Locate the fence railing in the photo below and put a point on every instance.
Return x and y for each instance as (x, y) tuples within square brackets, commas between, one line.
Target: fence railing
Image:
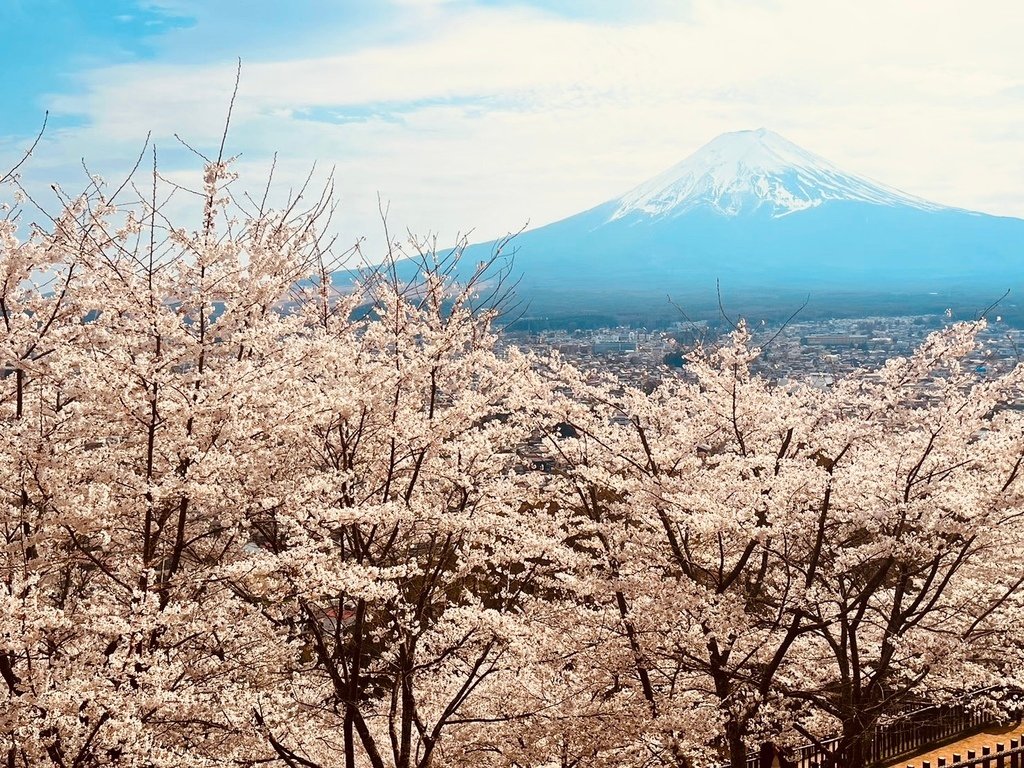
[(1000, 757), (910, 733), (931, 725)]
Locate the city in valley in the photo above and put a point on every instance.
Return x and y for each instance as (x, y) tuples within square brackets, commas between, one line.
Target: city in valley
[(814, 351)]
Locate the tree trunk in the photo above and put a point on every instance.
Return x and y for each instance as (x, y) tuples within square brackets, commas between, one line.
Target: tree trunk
[(854, 749), (734, 732)]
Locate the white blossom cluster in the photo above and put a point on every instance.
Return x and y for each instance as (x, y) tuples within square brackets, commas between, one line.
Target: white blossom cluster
[(250, 518)]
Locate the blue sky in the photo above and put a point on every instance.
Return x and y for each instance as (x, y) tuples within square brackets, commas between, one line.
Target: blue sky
[(486, 115)]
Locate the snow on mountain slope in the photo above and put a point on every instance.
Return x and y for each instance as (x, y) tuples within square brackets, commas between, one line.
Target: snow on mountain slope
[(753, 213), (744, 171)]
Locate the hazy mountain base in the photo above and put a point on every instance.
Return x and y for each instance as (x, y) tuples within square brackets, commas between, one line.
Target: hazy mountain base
[(579, 303), (583, 309), (832, 245), (849, 258)]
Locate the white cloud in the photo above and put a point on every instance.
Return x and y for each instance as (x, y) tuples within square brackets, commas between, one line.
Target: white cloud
[(490, 117)]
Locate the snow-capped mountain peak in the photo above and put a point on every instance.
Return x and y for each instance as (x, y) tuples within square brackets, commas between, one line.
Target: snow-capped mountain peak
[(743, 171)]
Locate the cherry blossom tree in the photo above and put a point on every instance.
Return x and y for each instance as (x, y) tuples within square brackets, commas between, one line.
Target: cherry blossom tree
[(689, 494), (915, 562), (129, 344), (810, 559), (255, 512), (399, 545), (239, 500)]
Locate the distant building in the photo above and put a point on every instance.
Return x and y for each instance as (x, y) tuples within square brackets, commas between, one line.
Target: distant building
[(836, 340)]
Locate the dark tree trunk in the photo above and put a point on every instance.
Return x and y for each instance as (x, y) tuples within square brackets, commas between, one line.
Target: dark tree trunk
[(734, 732), (854, 748)]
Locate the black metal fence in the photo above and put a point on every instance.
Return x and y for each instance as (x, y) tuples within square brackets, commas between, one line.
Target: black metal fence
[(925, 727), (914, 732), (999, 757)]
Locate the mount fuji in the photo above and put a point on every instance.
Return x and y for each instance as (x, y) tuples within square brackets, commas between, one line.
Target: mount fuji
[(765, 218), (746, 171)]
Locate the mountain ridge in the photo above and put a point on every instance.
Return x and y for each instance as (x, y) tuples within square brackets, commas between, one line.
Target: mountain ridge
[(744, 170), (761, 217)]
